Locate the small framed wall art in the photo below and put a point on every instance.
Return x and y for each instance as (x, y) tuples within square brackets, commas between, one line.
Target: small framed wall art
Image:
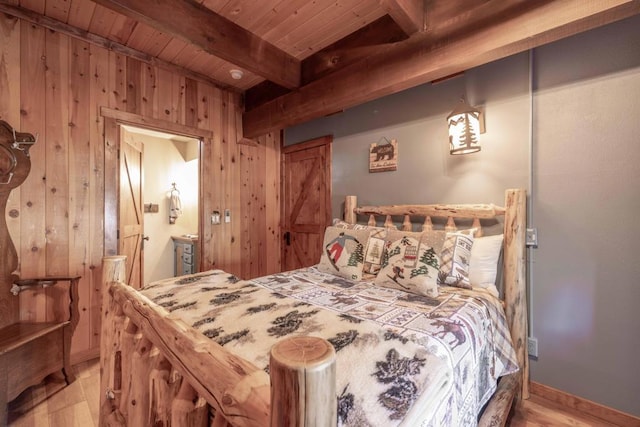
[(383, 155)]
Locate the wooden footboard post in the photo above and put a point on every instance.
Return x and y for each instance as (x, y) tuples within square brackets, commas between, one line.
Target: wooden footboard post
[(515, 279), (113, 269), (303, 383)]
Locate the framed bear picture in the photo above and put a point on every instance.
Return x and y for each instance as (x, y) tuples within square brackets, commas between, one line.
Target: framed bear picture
[(383, 156)]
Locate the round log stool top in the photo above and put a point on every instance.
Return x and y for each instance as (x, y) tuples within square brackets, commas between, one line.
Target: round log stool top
[(303, 352)]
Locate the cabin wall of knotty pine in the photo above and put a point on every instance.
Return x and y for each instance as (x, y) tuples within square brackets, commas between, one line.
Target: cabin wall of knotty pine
[(53, 85)]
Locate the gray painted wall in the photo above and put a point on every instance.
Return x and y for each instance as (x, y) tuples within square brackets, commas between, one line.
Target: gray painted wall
[(584, 152)]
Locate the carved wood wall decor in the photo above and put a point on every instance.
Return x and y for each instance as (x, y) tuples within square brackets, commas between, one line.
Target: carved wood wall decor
[(383, 156), (15, 165)]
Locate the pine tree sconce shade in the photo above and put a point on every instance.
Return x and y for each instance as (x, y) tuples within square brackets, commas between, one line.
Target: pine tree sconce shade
[(465, 126)]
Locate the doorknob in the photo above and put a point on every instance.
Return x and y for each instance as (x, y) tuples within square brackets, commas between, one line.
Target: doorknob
[(145, 238), (287, 238)]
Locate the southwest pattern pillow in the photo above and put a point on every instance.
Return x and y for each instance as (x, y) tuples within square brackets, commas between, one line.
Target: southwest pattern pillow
[(411, 262), (343, 252), (455, 257)]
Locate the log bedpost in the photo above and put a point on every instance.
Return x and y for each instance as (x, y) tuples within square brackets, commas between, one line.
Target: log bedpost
[(113, 270), (303, 383), (515, 279), (350, 203)]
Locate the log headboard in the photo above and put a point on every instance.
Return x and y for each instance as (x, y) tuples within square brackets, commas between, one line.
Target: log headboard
[(514, 262)]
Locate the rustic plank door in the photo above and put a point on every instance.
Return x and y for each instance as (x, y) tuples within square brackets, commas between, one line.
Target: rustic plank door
[(130, 207), (306, 201)]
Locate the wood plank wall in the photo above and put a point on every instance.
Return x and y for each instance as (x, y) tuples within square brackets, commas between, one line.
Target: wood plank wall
[(53, 85)]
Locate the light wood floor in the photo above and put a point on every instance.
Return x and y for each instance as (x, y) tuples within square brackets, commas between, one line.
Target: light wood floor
[(51, 404)]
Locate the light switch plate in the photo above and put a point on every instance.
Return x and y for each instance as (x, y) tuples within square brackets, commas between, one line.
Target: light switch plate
[(532, 237), (215, 217), (532, 346)]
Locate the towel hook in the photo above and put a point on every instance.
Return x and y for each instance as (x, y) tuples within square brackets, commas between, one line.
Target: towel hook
[(174, 189)]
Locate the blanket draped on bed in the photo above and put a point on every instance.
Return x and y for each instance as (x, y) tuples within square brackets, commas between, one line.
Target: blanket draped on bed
[(401, 359)]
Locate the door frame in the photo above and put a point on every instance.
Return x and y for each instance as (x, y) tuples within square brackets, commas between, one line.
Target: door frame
[(113, 119)]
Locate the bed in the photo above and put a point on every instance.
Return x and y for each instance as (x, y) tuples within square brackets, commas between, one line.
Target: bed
[(321, 347)]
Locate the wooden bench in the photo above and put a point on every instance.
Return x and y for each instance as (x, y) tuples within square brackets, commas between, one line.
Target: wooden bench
[(31, 351), (28, 351)]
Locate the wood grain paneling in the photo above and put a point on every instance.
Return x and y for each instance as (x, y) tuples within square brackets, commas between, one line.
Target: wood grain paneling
[(57, 174), (31, 245), (58, 86), (79, 168), (99, 95), (269, 39)]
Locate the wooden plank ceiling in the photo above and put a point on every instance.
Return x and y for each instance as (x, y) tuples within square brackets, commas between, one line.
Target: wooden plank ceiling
[(304, 59)]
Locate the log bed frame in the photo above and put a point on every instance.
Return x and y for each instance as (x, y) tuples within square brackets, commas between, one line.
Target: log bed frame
[(157, 370)]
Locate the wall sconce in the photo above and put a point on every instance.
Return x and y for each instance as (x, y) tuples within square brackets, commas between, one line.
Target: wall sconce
[(465, 123)]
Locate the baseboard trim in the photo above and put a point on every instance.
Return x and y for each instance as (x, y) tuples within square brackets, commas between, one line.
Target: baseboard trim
[(83, 356), (594, 409)]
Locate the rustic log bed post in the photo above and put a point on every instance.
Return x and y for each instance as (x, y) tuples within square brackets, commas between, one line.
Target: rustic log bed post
[(306, 367), (157, 370)]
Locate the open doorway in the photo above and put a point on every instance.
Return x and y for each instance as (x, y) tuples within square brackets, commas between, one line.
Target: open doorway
[(123, 215), (170, 176)]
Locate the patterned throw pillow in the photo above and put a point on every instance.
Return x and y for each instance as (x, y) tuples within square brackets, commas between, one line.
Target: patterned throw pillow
[(337, 222), (343, 252), (411, 262), (455, 257), (375, 248)]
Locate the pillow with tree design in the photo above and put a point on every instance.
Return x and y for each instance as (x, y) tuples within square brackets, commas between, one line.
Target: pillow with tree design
[(343, 252), (375, 248), (411, 262)]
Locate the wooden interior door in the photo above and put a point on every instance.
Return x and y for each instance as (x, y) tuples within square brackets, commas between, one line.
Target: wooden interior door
[(130, 206), (306, 201)]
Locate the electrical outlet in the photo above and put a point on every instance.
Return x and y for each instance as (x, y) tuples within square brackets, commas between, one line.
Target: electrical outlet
[(532, 346), (532, 237)]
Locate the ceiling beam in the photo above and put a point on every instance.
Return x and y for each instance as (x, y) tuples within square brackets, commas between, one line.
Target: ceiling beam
[(214, 34), (418, 60), (66, 29), (408, 14), (368, 40)]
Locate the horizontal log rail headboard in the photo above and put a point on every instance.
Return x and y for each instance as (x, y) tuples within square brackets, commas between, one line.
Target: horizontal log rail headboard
[(158, 370), (474, 212)]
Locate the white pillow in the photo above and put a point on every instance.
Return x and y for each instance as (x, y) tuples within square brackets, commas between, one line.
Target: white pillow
[(483, 266)]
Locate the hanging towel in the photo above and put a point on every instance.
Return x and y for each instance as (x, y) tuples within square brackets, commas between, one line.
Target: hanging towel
[(175, 207)]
